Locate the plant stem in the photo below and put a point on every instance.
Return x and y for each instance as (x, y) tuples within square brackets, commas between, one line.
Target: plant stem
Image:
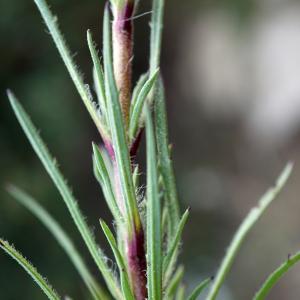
[(122, 35), (122, 42)]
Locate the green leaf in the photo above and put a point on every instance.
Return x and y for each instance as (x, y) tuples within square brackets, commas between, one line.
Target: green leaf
[(106, 185), (116, 125), (101, 108), (165, 162), (154, 235), (174, 284), (199, 289), (53, 171), (276, 276), (137, 89), (135, 117), (156, 34), (244, 228), (62, 238), (30, 269), (96, 172), (120, 262), (51, 22), (170, 259), (136, 177), (99, 80), (180, 295)]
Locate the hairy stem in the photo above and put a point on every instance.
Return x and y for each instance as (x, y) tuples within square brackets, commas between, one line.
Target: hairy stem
[(136, 259), (122, 42), (122, 35)]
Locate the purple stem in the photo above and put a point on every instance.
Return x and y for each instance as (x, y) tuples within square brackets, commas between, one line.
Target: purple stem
[(122, 31), (135, 145), (122, 54), (136, 260), (135, 245)]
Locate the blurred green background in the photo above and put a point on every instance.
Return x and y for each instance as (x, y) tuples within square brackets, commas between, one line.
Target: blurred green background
[(232, 73)]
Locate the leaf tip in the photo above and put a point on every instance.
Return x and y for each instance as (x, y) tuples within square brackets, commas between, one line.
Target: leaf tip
[(10, 94), (290, 165), (11, 97), (89, 35), (94, 146), (285, 174), (102, 223)]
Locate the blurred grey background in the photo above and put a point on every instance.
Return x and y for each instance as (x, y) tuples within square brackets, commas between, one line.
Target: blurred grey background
[(232, 73)]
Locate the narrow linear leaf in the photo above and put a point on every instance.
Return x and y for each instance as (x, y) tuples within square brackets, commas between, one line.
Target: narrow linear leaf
[(156, 34), (96, 172), (62, 238), (181, 292), (154, 236), (166, 167), (116, 125), (165, 221), (141, 82), (136, 177), (244, 228), (199, 289), (53, 171), (174, 283), (52, 24), (120, 262), (166, 231), (30, 269), (106, 184), (153, 207), (276, 276), (135, 117), (98, 71), (165, 162), (101, 109), (170, 258)]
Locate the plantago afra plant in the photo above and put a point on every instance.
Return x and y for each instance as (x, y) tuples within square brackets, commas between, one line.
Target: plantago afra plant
[(148, 227)]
